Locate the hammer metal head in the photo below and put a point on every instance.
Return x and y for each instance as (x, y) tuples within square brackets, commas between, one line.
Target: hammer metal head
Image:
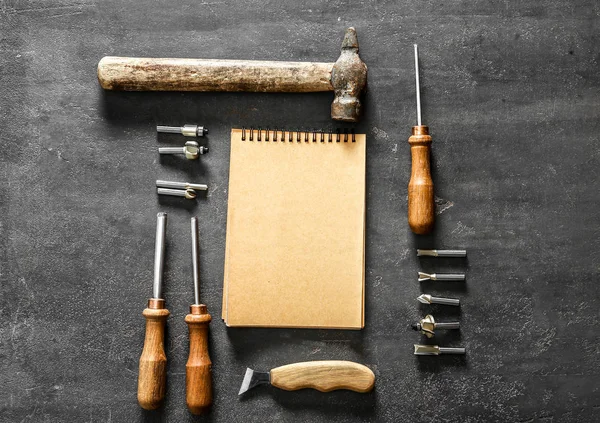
[(348, 79)]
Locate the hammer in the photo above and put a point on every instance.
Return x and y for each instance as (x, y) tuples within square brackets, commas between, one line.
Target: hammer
[(347, 77)]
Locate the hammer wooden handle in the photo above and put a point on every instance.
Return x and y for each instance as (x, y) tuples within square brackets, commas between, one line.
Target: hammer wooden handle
[(148, 74), (323, 376), (198, 378), (153, 362), (420, 187)]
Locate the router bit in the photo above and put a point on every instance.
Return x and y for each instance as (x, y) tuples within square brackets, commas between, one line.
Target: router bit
[(442, 253), (190, 149), (435, 350), (185, 130), (179, 189), (427, 326), (189, 194), (198, 379), (441, 277), (428, 299), (181, 185), (153, 361)]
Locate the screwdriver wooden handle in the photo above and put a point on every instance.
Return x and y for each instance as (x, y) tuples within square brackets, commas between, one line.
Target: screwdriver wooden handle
[(153, 361), (198, 379), (420, 187), (323, 376)]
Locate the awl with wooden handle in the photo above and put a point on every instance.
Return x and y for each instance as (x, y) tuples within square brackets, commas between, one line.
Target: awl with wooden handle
[(420, 187), (323, 376), (153, 361), (198, 378)]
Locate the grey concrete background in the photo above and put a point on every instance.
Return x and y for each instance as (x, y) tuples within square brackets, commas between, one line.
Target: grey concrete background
[(511, 92)]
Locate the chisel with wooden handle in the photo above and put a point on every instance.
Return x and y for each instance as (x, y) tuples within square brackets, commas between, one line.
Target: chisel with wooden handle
[(153, 362), (323, 376)]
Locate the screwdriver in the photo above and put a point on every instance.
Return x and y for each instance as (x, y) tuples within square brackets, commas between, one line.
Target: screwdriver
[(420, 186), (198, 379), (153, 361)]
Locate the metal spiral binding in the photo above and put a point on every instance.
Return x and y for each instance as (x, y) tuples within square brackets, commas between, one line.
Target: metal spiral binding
[(317, 134)]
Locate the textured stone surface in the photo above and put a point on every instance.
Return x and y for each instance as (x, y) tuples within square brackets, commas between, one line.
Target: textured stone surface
[(511, 92)]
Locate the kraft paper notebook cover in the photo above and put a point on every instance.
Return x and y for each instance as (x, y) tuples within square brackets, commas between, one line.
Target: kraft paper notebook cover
[(295, 230)]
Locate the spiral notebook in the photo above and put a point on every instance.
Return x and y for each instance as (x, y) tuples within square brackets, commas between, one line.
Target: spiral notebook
[(295, 247)]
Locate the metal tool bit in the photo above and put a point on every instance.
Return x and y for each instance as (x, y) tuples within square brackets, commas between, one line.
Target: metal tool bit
[(428, 325), (185, 130), (435, 350), (189, 194), (191, 150), (442, 253), (181, 185), (441, 276), (428, 299)]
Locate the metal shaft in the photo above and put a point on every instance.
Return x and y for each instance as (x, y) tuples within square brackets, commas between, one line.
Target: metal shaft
[(445, 301), (418, 86), (159, 254), (195, 265), (169, 129), (449, 277), (444, 350), (171, 150), (448, 325)]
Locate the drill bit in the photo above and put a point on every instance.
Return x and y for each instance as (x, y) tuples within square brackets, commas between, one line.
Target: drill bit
[(442, 253), (435, 350), (428, 325), (185, 130), (441, 277), (428, 299)]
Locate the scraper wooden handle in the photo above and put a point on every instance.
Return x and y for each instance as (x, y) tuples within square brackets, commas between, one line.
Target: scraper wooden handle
[(421, 211), (323, 376)]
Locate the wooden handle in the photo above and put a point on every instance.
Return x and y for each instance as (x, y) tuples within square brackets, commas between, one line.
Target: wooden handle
[(153, 362), (149, 74), (323, 376), (420, 187), (198, 379)]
